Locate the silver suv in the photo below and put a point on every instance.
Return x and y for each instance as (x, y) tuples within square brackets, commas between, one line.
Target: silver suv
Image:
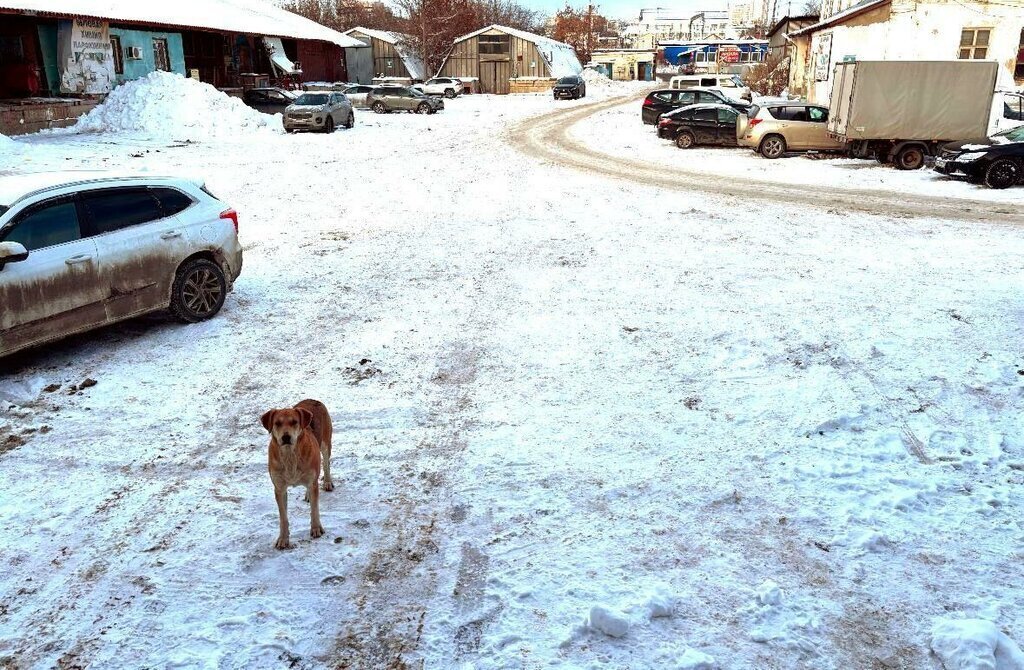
[(386, 99), (323, 111), (81, 250)]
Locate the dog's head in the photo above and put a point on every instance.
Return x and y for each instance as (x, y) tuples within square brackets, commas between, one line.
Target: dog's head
[(286, 425)]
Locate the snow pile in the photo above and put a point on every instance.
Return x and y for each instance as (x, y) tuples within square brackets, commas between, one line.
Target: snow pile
[(696, 660), (975, 644), (787, 625), (5, 141), (609, 621), (595, 79), (617, 622), (164, 104)]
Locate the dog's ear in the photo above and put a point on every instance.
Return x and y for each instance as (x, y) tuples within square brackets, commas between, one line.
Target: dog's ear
[(267, 418), (305, 416)]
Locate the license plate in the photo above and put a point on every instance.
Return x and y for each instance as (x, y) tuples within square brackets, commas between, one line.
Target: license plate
[(940, 162)]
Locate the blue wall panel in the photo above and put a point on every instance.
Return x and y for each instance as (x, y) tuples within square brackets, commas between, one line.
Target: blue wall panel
[(136, 69)]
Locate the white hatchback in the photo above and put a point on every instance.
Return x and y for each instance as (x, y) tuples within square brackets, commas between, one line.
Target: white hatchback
[(449, 87), (80, 250)]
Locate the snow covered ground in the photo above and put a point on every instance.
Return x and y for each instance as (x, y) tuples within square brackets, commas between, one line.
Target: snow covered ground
[(578, 423), (620, 132)]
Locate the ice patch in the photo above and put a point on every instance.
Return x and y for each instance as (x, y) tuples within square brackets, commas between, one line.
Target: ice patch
[(21, 392), (168, 105), (975, 644), (611, 622)]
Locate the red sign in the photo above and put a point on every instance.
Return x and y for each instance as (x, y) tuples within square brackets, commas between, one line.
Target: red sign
[(728, 53)]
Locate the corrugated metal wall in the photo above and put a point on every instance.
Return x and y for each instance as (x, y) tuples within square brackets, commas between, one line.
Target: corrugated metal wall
[(386, 61)]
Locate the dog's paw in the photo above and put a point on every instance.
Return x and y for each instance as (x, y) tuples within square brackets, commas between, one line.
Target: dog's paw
[(283, 543), (328, 485), (316, 531)]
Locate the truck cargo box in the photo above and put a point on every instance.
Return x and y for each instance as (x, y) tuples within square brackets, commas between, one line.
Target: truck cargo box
[(912, 100)]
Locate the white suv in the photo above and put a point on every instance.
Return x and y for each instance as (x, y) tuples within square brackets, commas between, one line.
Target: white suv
[(80, 250), (449, 87)]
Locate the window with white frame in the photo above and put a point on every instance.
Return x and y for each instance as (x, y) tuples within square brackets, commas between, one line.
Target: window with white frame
[(974, 43)]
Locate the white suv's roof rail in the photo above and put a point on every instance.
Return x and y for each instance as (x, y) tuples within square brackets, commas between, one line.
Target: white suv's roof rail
[(15, 188)]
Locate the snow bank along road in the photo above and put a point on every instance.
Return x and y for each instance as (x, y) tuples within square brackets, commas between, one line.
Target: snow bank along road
[(557, 397), (551, 137)]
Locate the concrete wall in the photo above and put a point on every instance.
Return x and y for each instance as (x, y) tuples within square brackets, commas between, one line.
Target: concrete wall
[(916, 31), (136, 69)]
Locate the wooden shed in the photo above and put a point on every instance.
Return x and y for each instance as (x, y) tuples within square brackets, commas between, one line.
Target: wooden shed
[(388, 59), (507, 60)]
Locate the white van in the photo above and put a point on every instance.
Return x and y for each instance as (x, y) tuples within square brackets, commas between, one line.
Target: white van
[(727, 84)]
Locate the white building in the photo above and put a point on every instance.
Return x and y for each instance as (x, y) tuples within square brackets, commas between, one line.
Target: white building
[(659, 25), (907, 30)]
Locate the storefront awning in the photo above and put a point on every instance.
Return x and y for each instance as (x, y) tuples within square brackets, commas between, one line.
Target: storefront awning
[(275, 49)]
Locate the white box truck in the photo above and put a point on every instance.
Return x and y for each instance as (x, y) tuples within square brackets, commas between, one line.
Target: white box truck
[(903, 111)]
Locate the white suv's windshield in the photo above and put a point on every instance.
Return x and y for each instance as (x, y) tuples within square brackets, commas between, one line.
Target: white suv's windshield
[(312, 99)]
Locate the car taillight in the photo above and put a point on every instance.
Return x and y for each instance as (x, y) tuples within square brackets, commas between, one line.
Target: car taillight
[(233, 215), (754, 122), (648, 103), (663, 122)]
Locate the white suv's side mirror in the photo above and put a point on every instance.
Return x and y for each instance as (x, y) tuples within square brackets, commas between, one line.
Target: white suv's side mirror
[(12, 252)]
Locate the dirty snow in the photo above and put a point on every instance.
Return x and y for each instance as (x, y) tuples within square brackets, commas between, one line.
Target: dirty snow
[(168, 105), (765, 436)]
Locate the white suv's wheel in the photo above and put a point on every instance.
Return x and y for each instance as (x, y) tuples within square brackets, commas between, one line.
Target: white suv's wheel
[(198, 291)]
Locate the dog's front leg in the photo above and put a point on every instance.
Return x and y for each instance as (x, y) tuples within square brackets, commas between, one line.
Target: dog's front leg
[(281, 494), (315, 529), (325, 457)]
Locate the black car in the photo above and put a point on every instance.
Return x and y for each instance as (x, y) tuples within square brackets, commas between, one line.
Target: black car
[(997, 161), (659, 102), (700, 124), (269, 100), (570, 87)]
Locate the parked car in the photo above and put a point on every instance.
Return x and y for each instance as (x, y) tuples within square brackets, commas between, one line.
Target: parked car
[(572, 87), (387, 99), (997, 162), (700, 124), (357, 95), (80, 250), (729, 85), (449, 87), (269, 100), (772, 129), (319, 111), (659, 102)]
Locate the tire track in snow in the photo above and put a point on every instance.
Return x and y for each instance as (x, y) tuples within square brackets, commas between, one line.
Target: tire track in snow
[(546, 137)]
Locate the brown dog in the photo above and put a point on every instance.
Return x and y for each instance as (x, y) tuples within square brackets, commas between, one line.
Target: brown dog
[(300, 437)]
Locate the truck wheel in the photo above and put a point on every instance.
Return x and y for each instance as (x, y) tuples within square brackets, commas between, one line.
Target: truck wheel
[(1003, 173), (772, 146), (909, 158), (882, 156), (685, 140)]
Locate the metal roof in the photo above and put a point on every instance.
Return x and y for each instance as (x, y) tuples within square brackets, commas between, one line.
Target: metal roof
[(243, 16)]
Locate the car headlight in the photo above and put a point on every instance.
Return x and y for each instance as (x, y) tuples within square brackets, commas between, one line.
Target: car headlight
[(971, 156)]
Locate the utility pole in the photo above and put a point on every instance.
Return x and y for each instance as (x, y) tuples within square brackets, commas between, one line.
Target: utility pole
[(590, 30)]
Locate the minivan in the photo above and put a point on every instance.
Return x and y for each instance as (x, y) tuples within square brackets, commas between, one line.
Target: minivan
[(728, 84)]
